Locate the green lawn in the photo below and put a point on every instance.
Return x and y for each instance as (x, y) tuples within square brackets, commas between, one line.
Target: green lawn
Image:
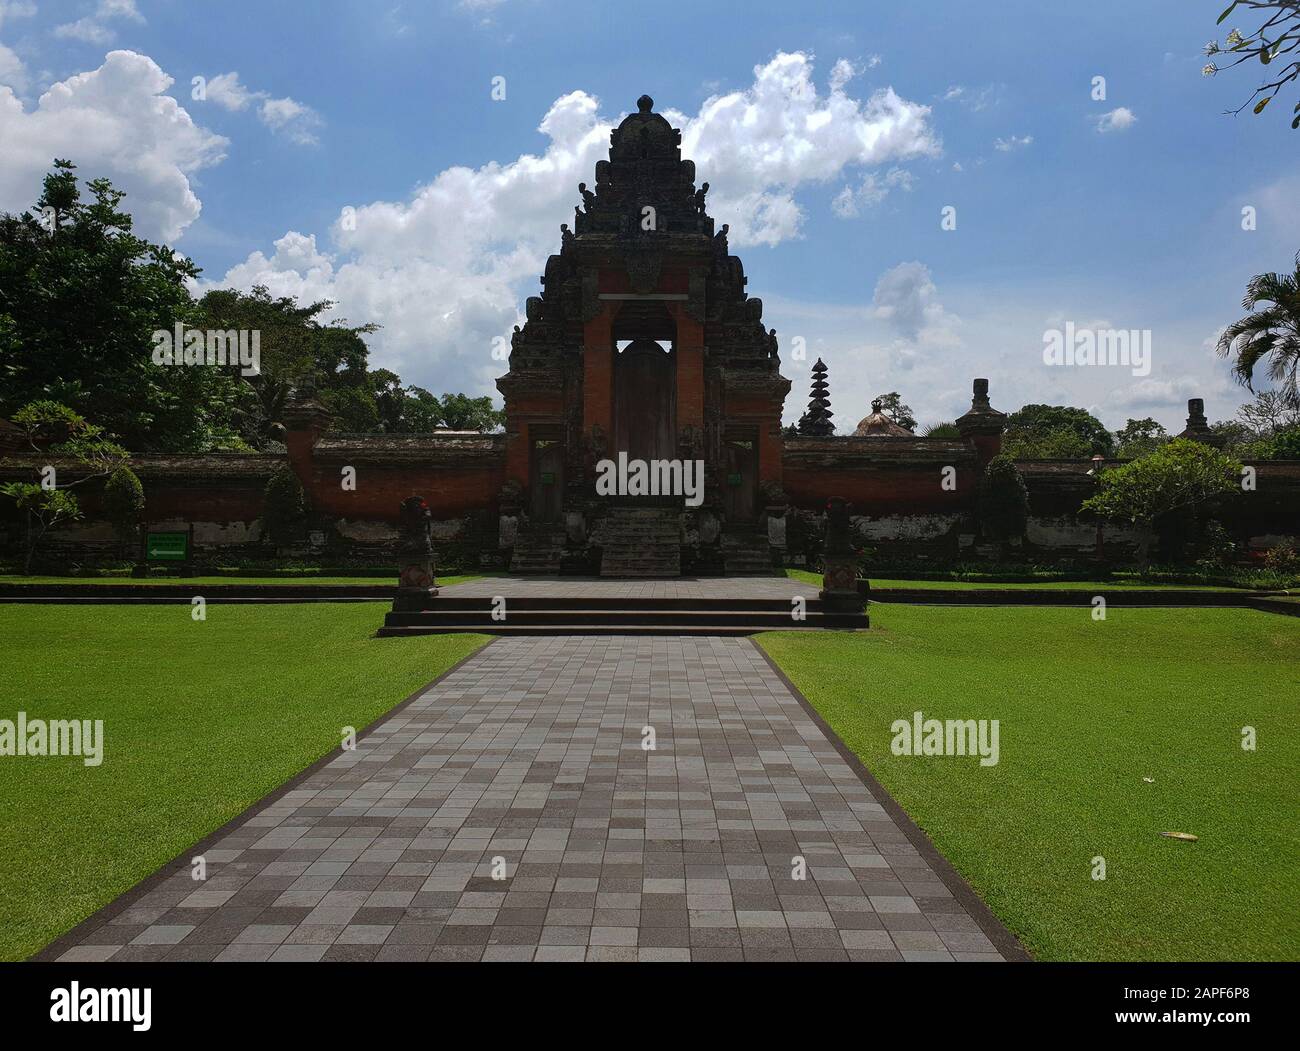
[(225, 578), (201, 719), (1088, 709)]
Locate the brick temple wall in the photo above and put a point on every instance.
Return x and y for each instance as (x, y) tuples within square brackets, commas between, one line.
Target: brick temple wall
[(912, 496)]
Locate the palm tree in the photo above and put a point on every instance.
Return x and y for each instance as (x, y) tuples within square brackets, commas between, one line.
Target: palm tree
[(1272, 334)]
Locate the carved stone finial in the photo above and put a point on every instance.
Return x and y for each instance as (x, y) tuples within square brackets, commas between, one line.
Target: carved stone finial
[(645, 104), (1198, 427)]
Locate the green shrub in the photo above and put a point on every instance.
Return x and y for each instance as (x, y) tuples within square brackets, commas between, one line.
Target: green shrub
[(1003, 505), (285, 511), (124, 505)]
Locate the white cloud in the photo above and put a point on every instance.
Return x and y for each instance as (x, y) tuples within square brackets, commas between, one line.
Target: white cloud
[(1013, 142), (1119, 119), (849, 202), (759, 144), (115, 122), (445, 271), (907, 299), (228, 93), (973, 99), (13, 71), (295, 120), (94, 28)]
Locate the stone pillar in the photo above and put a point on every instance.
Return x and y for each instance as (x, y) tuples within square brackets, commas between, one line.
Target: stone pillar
[(416, 585), (690, 371), (305, 419), (982, 425), (598, 379)]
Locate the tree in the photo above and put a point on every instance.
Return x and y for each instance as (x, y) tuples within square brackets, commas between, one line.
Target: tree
[(459, 412), (1278, 34), (45, 509), (946, 429), (1271, 334), (64, 435), (1062, 443), (1003, 502), (1139, 437), (80, 296), (294, 343), (891, 405), (1039, 432), (1182, 475), (1268, 413), (124, 505)]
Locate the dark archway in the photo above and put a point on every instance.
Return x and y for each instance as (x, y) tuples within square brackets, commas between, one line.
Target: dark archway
[(645, 402)]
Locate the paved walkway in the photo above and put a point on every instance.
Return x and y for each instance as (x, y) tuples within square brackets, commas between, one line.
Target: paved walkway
[(531, 753), (587, 587)]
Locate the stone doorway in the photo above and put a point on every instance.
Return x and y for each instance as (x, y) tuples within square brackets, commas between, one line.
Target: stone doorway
[(546, 478), (740, 474)]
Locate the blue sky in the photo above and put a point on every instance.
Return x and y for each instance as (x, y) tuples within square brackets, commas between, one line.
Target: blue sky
[(833, 136)]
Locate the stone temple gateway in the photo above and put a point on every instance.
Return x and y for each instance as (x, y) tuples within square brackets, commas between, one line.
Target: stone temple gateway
[(643, 342)]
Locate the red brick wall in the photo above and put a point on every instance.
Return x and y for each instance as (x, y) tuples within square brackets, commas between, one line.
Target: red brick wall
[(883, 490)]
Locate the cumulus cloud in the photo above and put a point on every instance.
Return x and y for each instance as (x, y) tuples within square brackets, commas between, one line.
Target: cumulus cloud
[(1119, 119), (114, 122), (95, 28), (760, 144), (295, 120), (444, 272)]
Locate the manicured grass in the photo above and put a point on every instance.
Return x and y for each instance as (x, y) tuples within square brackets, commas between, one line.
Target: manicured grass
[(228, 579), (1045, 585), (1088, 709), (201, 720)]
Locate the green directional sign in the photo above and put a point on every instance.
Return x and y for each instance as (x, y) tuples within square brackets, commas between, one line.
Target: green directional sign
[(167, 547)]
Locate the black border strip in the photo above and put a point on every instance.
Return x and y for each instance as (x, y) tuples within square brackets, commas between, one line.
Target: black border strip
[(129, 897), (1006, 942)]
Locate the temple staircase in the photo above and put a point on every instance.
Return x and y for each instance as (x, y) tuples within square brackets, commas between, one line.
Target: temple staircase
[(642, 542), (538, 550), (571, 614), (745, 551)]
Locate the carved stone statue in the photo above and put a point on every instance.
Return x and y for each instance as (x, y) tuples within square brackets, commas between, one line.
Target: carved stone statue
[(700, 194), (415, 576), (566, 236), (588, 198), (839, 560)]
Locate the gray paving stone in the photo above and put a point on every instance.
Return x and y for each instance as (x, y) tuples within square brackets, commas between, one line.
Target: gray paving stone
[(530, 755)]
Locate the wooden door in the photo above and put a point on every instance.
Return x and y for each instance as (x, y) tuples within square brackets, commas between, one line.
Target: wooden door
[(546, 480)]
